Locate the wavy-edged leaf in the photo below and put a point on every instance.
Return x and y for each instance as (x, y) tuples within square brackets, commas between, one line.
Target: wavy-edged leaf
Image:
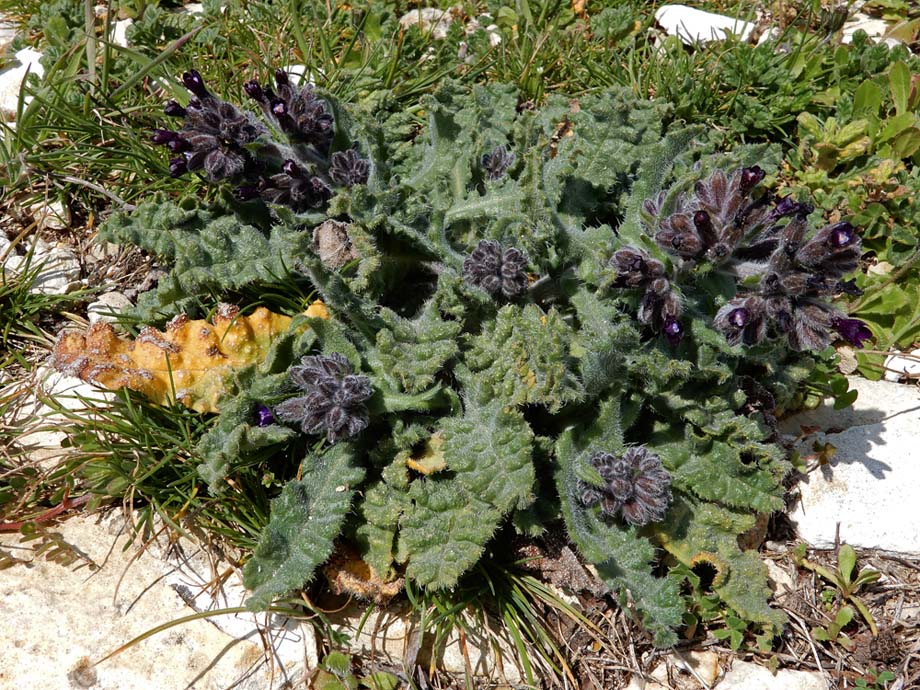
[(523, 357), (622, 557), (305, 521)]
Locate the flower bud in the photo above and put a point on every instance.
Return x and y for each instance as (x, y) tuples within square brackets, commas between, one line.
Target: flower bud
[(750, 178), (194, 83)]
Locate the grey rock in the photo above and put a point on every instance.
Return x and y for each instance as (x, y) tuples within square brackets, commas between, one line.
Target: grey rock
[(871, 485)]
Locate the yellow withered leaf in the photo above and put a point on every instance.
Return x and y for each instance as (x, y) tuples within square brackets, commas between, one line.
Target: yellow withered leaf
[(431, 458), (189, 362)]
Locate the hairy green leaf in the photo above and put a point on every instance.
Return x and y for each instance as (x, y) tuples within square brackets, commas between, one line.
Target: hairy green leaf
[(305, 520)]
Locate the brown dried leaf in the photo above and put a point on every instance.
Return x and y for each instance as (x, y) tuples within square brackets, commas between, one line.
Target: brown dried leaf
[(188, 363)]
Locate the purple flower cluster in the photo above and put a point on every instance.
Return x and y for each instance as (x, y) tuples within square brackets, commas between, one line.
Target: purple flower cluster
[(334, 398), (636, 486), (500, 272), (213, 138), (496, 162), (298, 112), (796, 280), (756, 239), (227, 143)]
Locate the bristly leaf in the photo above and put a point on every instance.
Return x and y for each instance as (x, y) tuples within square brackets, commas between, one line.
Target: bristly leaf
[(207, 252), (524, 357), (305, 520), (488, 454), (410, 352), (622, 557), (235, 438)]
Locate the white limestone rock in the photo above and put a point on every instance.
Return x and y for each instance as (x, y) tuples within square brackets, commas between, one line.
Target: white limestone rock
[(12, 78), (50, 215), (107, 307), (39, 426), (393, 635), (54, 270), (59, 621), (693, 26), (902, 366), (7, 33), (744, 675), (780, 580), (191, 572), (874, 27), (119, 32), (429, 20), (871, 485), (680, 670)]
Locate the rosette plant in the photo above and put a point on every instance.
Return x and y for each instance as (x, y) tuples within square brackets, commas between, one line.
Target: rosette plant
[(540, 320)]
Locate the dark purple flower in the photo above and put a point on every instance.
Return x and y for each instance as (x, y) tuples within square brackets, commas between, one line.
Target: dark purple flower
[(194, 83), (787, 206), (703, 224), (334, 398), (751, 177), (832, 251), (854, 331), (841, 235), (295, 187), (743, 320), (660, 308), (497, 162), (264, 416), (500, 272), (635, 268), (177, 167), (347, 168), (254, 90), (673, 331), (636, 486), (678, 235), (173, 109), (299, 112), (214, 136)]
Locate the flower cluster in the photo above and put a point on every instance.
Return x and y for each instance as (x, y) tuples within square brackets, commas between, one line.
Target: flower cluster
[(227, 143), (496, 163), (788, 272), (499, 271), (214, 136), (635, 485), (334, 399), (299, 113)]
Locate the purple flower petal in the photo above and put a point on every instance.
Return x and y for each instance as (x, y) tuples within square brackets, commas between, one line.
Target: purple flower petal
[(264, 416), (673, 331), (854, 331)]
